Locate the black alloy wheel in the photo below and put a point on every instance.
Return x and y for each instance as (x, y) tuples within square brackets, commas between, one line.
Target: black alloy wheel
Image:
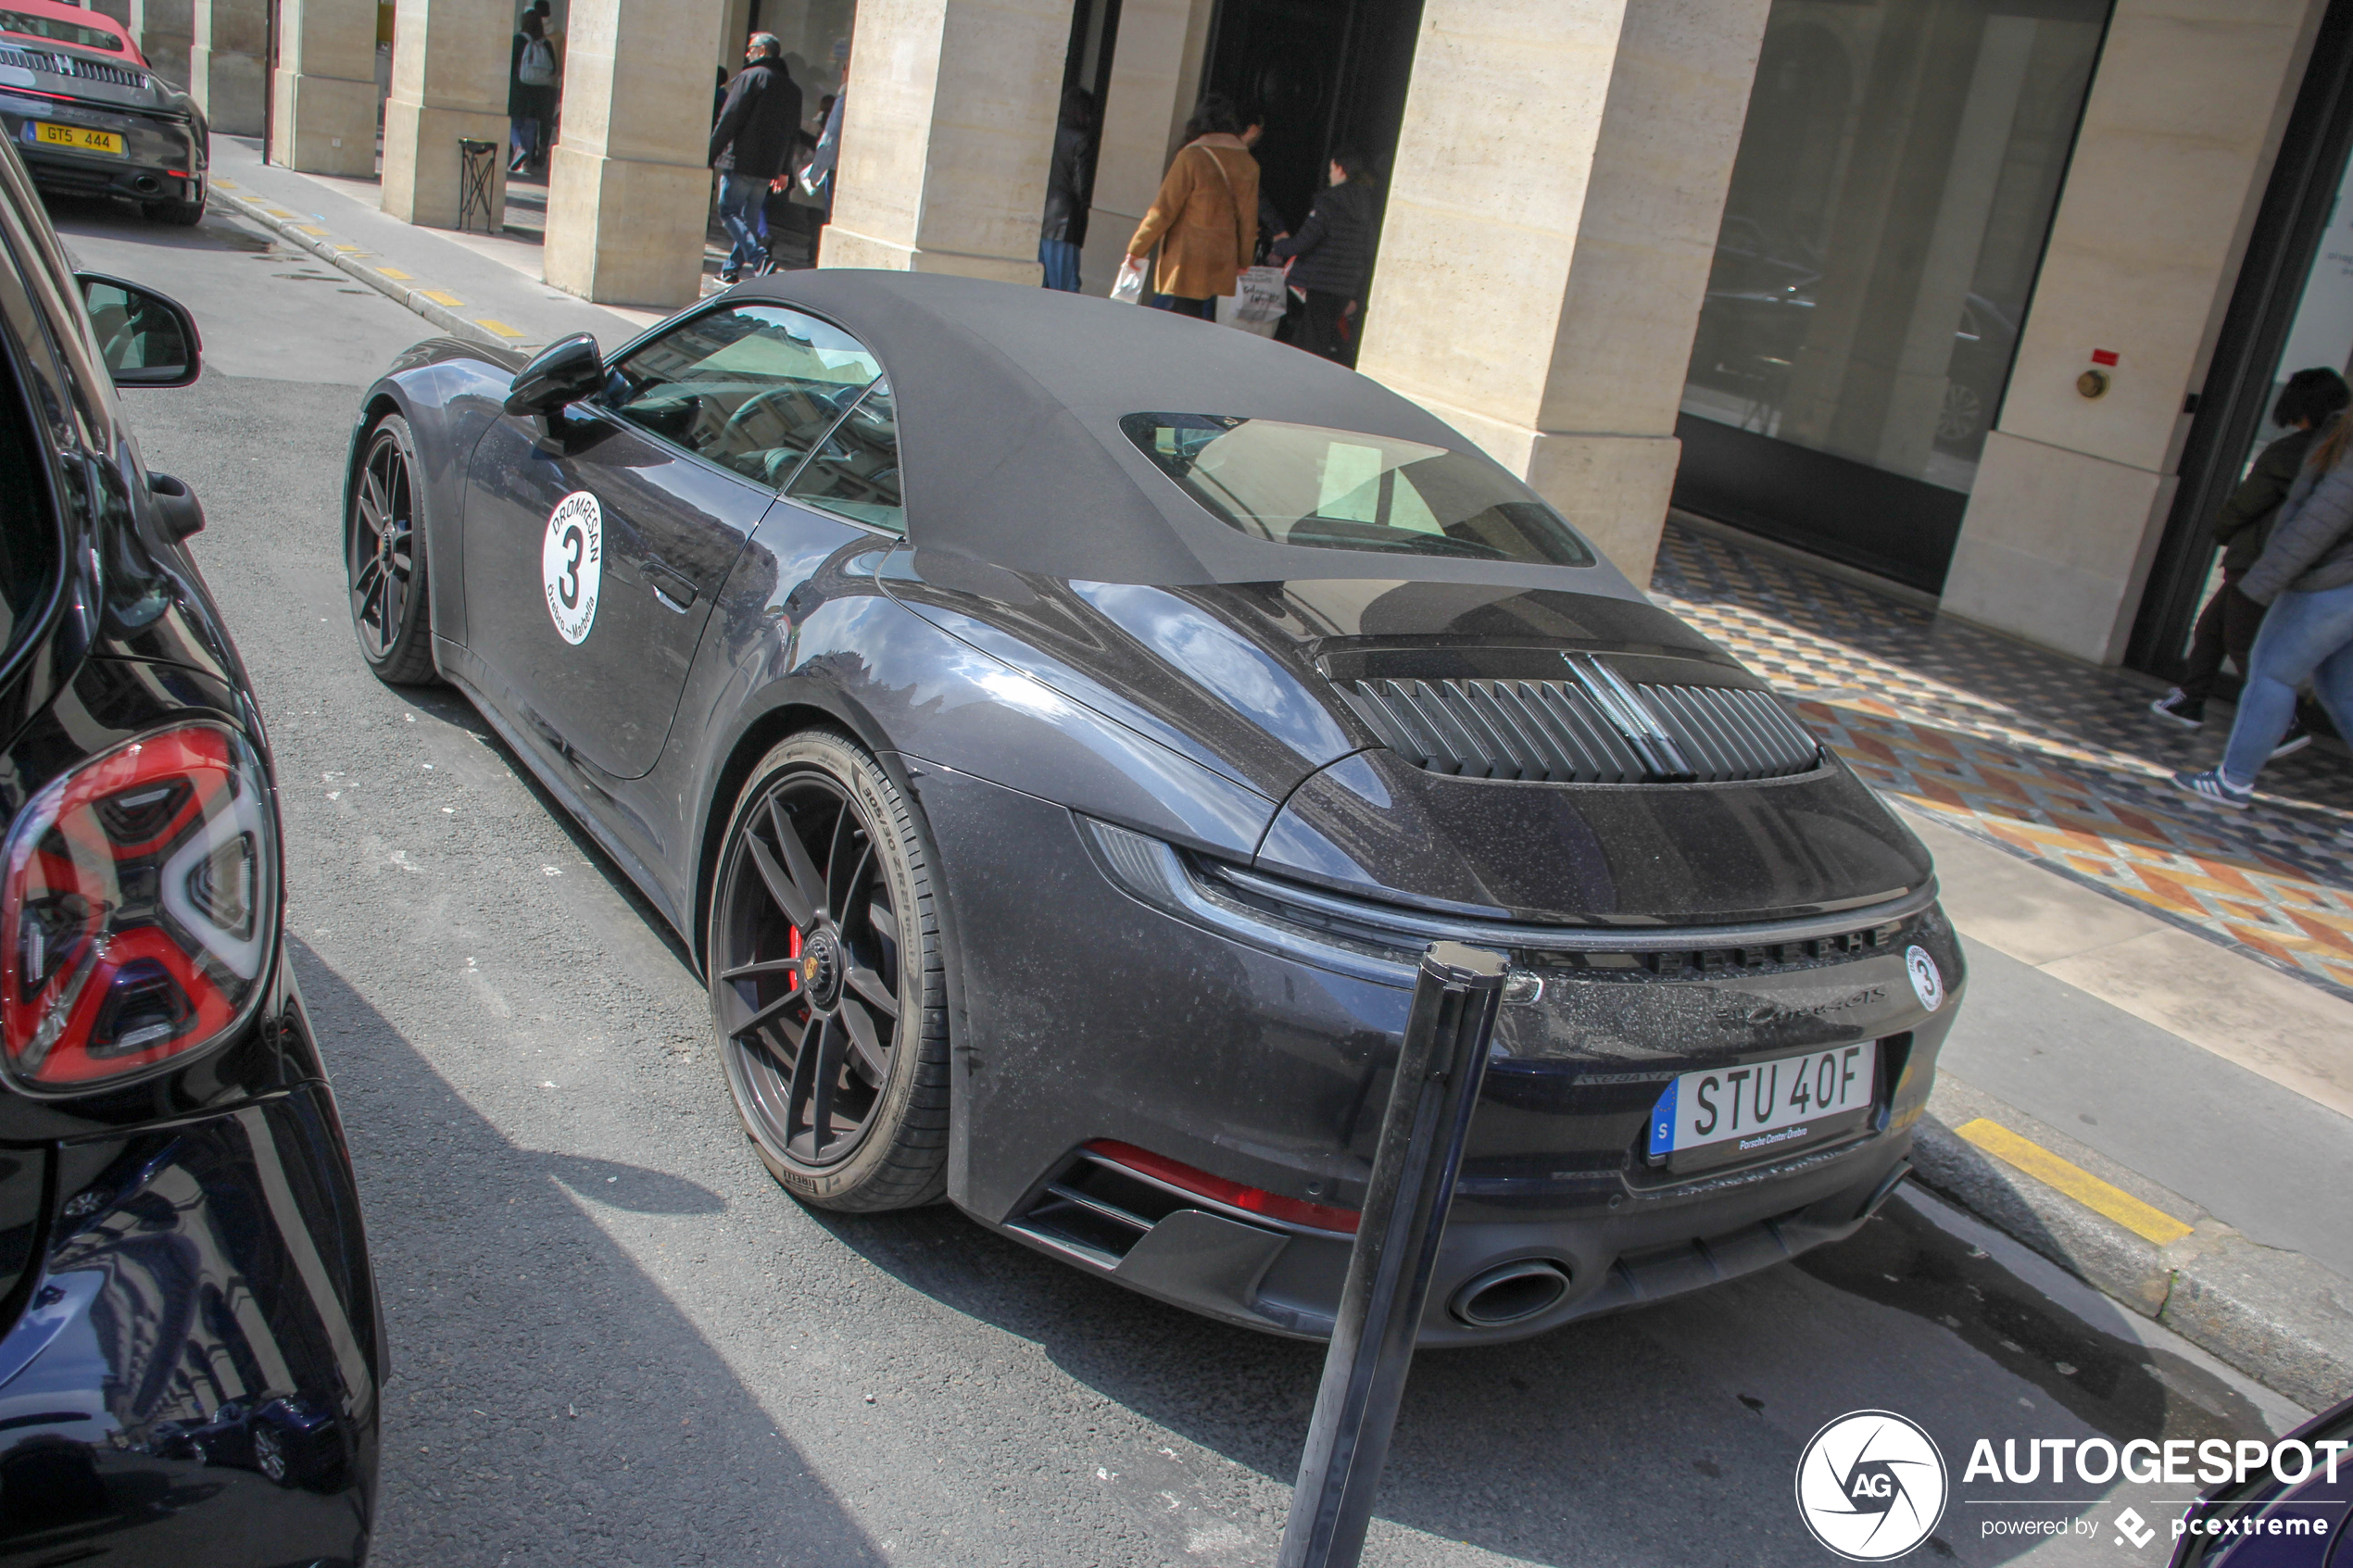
[(385, 545), (825, 980)]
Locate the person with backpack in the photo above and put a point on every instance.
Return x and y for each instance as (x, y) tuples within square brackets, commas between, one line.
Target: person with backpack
[(532, 79), (758, 128), (1205, 218), (2243, 526), (1331, 258), (2305, 577)]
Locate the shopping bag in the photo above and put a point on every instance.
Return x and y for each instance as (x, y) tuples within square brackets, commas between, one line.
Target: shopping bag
[(1257, 303), (1128, 288)]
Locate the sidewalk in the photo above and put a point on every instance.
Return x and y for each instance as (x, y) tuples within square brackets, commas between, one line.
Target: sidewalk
[(485, 287), (2152, 1081)]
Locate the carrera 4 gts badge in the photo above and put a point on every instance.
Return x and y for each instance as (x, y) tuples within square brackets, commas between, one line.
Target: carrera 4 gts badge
[(572, 564)]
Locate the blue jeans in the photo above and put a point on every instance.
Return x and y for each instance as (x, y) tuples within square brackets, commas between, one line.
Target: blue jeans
[(2304, 634), (743, 204), (1178, 305), (1061, 260)]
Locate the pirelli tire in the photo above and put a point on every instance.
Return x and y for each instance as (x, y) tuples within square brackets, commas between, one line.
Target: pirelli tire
[(828, 984)]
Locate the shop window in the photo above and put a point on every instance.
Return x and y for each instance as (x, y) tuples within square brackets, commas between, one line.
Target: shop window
[(1895, 181)]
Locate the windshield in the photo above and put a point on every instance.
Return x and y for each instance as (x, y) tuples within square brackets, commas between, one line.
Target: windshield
[(1336, 489), (60, 31)]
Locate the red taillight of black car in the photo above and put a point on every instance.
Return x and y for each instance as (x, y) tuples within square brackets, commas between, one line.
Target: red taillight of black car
[(140, 902)]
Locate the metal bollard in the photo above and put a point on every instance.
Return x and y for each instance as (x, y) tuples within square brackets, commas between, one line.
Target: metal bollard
[(1440, 1068)]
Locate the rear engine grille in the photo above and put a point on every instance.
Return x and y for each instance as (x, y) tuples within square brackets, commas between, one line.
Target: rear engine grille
[(69, 64), (1593, 729)]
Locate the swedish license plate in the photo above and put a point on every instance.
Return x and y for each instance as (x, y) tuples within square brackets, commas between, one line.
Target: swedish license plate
[(81, 138), (1762, 1107)]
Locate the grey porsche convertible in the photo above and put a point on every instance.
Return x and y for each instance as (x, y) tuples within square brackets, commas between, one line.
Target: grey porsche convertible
[(1056, 728)]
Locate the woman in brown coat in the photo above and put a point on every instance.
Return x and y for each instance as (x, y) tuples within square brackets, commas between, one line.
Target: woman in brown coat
[(1205, 219)]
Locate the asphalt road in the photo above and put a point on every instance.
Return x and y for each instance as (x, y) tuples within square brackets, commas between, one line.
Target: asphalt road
[(616, 1341)]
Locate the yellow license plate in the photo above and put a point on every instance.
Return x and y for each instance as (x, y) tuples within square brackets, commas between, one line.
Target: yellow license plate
[(78, 138)]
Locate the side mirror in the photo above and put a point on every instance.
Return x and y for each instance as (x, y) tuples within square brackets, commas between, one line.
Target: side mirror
[(146, 339), (564, 371), (177, 509)]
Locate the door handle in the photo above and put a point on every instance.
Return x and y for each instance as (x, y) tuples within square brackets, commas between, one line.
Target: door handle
[(674, 588)]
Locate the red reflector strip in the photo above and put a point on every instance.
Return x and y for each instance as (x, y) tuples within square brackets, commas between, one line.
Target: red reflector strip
[(177, 173), (2102, 356), (1253, 1200)]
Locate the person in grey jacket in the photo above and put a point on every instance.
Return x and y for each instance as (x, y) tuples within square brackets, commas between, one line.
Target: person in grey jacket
[(2305, 575)]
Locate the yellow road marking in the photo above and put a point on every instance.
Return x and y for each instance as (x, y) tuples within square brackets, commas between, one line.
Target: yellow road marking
[(499, 327), (392, 272), (226, 184), (277, 212), (2151, 1225), (309, 229), (351, 250), (438, 298)]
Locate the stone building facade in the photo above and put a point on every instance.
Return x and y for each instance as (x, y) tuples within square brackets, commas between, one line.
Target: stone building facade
[(1984, 298)]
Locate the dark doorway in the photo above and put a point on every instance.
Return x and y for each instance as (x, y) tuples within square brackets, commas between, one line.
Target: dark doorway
[(2257, 346), (1321, 76)]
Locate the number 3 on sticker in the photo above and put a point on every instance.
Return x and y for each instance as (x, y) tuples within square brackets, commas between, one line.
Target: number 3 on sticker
[(572, 564)]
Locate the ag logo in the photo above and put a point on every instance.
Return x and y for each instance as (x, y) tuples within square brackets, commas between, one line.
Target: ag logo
[(572, 564), (1926, 984), (1870, 1485)]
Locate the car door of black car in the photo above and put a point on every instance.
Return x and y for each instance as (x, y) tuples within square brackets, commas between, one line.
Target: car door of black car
[(597, 537)]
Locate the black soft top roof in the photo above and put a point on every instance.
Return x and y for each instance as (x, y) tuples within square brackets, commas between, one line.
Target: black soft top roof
[(1010, 447)]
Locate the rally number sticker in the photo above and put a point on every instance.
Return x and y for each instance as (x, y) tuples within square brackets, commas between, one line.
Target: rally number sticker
[(1926, 984), (572, 564)]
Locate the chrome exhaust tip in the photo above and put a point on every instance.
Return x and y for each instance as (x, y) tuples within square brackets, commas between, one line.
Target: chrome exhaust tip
[(1510, 1293)]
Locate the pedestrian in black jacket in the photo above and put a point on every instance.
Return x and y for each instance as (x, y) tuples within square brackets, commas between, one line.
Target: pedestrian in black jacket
[(531, 94), (1070, 184), (750, 147), (2243, 526), (1331, 257)]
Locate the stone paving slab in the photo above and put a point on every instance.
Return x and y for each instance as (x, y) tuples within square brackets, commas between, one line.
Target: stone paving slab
[(2054, 760)]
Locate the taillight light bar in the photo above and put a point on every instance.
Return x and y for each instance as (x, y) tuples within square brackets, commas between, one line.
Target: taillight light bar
[(139, 898), (1251, 1200)]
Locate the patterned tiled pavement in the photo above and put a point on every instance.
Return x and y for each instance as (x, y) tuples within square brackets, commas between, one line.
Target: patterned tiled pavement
[(2054, 760)]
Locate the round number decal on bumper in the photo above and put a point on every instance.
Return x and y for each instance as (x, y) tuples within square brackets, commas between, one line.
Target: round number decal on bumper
[(1926, 984), (572, 564)]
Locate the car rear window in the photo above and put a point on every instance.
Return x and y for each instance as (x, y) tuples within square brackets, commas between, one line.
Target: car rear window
[(60, 31), (1342, 490)]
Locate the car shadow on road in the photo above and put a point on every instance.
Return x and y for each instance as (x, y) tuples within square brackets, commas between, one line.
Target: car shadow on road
[(1606, 1439), (547, 1404)]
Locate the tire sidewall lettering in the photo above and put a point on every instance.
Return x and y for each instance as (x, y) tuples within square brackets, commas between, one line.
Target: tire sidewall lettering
[(571, 565)]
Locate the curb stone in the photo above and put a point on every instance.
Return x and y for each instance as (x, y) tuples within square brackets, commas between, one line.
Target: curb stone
[(440, 315), (2276, 1315)]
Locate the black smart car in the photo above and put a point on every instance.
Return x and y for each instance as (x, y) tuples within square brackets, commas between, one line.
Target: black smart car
[(190, 1348), (91, 117), (1058, 727)]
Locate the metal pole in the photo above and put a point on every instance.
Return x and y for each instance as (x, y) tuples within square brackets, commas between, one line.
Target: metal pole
[(1440, 1068)]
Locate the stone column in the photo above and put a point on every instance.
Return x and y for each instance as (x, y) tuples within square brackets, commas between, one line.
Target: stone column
[(629, 187), (322, 113), (1155, 77), (449, 62), (947, 136), (2072, 493), (226, 69), (1560, 178), (162, 28)]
